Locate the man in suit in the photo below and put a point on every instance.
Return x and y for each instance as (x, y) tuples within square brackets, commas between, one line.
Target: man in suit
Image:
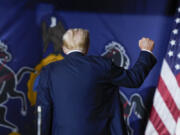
[(75, 95)]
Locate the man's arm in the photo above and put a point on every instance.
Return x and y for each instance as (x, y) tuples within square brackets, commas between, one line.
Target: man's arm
[(44, 105), (135, 76)]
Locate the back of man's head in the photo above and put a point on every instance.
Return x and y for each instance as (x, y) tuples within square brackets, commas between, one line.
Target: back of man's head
[(76, 39)]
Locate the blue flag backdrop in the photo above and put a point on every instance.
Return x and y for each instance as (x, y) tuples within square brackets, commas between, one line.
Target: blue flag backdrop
[(110, 34), (20, 52)]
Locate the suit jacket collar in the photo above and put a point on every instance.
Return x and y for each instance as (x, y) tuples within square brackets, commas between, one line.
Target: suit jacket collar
[(75, 54)]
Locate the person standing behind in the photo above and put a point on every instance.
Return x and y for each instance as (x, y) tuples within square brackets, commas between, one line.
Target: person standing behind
[(74, 95)]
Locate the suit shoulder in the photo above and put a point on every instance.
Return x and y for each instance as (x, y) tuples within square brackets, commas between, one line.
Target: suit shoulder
[(51, 65), (102, 61)]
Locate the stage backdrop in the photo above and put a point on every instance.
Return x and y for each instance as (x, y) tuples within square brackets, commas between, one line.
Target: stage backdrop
[(20, 51), (111, 35)]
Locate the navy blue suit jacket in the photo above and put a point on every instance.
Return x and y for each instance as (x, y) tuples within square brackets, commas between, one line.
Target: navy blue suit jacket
[(77, 96)]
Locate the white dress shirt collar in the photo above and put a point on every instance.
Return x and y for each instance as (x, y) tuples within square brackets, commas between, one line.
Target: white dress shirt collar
[(74, 51)]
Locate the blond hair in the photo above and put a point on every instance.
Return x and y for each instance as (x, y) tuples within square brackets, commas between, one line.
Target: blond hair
[(76, 39)]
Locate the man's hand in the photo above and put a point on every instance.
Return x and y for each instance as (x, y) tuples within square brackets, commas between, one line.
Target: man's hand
[(146, 44)]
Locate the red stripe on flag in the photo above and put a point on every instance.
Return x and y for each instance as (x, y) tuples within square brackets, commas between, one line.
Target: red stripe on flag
[(178, 79), (157, 123), (168, 99)]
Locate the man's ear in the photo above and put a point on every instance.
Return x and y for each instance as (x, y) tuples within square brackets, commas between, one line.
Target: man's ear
[(65, 50)]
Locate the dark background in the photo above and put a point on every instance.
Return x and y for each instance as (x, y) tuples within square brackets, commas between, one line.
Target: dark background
[(155, 7), (160, 7)]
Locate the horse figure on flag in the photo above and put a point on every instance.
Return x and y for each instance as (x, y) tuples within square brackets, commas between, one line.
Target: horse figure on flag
[(8, 87)]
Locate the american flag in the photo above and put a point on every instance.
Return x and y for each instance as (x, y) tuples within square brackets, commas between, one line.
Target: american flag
[(165, 113)]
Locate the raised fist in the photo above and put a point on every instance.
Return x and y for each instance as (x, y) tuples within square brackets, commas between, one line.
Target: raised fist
[(146, 44)]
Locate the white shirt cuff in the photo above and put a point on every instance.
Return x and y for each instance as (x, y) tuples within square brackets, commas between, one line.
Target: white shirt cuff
[(147, 51)]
